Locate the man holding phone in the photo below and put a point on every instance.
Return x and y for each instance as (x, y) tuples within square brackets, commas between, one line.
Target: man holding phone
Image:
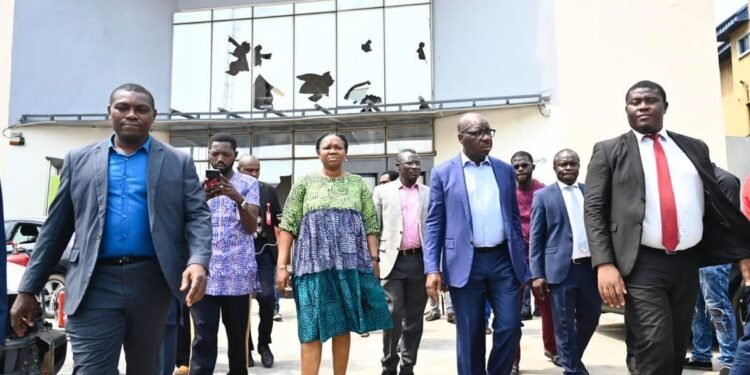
[(142, 239), (233, 272)]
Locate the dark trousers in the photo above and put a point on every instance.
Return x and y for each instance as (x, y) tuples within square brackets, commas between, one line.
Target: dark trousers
[(125, 307), (548, 326), (659, 307), (407, 297), (741, 363), (183, 338), (491, 279), (576, 307), (266, 300), (234, 311)]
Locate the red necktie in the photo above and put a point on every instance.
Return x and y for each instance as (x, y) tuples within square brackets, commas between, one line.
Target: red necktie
[(668, 208)]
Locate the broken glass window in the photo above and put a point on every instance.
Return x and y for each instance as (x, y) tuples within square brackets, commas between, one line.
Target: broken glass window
[(315, 51), (357, 92), (259, 56), (315, 84), (420, 51), (263, 93), (240, 52), (366, 46), (369, 101)]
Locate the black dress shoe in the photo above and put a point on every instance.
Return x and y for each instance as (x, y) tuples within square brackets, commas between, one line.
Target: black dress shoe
[(701, 365), (526, 315), (266, 357), (434, 315)]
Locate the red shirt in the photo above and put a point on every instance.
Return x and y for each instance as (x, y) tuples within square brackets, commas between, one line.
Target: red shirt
[(525, 197)]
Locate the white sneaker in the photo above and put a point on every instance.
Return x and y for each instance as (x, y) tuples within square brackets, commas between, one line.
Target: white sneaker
[(277, 317)]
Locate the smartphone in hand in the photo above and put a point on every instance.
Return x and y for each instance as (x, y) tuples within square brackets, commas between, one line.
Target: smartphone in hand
[(213, 176)]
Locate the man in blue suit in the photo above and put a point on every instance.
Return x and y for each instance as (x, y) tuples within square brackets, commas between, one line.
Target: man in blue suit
[(561, 262), (473, 234)]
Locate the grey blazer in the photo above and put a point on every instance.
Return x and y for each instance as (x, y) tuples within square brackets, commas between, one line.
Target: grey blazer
[(178, 214), (615, 204), (388, 206)]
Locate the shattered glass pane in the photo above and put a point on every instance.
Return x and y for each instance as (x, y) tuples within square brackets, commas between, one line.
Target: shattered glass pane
[(275, 36), (196, 16), (259, 55), (230, 70), (360, 74), (232, 13), (314, 7), (408, 77), (316, 84), (315, 52), (359, 4), (191, 82), (273, 10)]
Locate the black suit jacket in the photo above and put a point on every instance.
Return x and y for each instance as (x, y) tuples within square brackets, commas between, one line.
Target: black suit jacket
[(269, 202), (615, 204)]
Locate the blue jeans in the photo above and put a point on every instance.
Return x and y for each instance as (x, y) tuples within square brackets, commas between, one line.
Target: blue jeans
[(714, 307), (741, 363), (276, 296)]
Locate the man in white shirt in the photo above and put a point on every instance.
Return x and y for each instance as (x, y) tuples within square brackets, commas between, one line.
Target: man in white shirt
[(651, 202), (561, 262)]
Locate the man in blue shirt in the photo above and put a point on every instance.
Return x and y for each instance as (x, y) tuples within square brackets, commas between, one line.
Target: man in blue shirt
[(143, 233), (473, 230)]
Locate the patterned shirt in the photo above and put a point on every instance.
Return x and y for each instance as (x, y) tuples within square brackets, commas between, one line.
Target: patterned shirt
[(232, 270)]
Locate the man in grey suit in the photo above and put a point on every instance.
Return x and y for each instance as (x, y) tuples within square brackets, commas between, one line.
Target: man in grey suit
[(143, 237), (654, 213), (402, 209)]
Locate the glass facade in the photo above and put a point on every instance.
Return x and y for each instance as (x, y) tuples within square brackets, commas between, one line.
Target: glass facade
[(292, 153), (294, 56)]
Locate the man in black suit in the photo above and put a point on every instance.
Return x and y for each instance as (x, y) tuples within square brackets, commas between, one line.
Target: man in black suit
[(266, 254), (654, 213)]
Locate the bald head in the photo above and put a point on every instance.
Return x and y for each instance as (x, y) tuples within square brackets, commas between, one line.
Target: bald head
[(249, 165), (468, 119)]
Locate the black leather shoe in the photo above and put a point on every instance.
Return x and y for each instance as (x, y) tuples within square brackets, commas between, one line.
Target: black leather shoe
[(701, 365), (266, 357), (434, 315), (451, 318), (526, 315)]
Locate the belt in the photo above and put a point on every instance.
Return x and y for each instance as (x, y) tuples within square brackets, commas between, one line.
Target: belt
[(581, 260), (121, 261), (409, 252), (502, 246)]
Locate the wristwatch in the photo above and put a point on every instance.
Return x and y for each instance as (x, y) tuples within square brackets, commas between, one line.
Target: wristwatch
[(244, 205), (376, 259)]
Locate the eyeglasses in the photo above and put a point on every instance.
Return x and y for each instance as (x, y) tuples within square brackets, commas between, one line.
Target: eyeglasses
[(479, 133)]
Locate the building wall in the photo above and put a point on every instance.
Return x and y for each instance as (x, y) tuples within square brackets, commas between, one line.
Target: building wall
[(67, 59), (6, 41), (606, 46), (488, 48), (520, 128), (27, 167), (735, 94)]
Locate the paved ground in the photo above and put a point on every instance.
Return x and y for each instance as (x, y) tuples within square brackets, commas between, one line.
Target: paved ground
[(605, 354)]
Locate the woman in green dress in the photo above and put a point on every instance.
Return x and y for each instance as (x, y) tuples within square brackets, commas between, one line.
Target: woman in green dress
[(331, 218)]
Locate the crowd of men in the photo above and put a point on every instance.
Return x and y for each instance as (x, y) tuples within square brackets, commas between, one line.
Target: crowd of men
[(654, 230)]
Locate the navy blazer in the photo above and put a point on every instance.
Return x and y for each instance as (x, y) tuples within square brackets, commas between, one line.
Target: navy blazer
[(551, 236), (448, 228)]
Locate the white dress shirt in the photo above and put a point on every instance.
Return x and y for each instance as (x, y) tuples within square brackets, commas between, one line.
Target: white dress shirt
[(688, 193), (573, 198), (488, 228)]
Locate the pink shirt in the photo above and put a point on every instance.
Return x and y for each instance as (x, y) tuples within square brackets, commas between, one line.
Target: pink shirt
[(410, 215), (746, 198)]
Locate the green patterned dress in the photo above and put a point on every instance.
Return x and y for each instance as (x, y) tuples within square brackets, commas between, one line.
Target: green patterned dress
[(335, 289)]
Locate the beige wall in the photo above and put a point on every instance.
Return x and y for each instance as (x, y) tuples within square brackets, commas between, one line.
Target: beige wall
[(606, 46), (27, 168), (521, 128), (735, 95), (6, 43)]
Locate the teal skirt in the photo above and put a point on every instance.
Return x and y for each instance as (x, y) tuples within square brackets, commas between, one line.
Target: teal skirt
[(334, 302)]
